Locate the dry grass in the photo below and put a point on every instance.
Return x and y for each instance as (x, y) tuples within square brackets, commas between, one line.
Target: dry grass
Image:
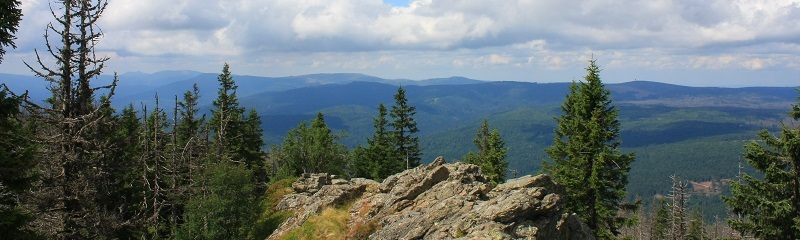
[(361, 230), (331, 224)]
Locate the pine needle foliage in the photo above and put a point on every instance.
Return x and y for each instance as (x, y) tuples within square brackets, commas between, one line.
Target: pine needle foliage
[(491, 154), (769, 207), (586, 158)]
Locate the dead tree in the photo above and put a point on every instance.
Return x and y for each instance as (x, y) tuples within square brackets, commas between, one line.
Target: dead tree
[(679, 198), (67, 194)]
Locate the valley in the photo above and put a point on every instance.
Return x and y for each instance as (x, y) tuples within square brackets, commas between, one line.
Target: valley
[(695, 133)]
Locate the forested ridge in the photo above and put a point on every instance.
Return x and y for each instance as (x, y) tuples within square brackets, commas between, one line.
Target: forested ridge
[(80, 163)]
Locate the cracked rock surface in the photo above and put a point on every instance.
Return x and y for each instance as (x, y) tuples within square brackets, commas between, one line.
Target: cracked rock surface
[(439, 201)]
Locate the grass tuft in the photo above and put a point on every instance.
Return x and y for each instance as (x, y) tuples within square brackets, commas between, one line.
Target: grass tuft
[(270, 220), (331, 224)]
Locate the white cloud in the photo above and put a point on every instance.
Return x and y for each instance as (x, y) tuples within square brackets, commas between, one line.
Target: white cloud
[(439, 34), (496, 59)]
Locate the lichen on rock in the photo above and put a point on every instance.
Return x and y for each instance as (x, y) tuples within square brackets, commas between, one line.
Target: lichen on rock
[(437, 201)]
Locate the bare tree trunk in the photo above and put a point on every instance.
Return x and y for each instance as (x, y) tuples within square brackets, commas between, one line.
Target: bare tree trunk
[(679, 198), (71, 180)]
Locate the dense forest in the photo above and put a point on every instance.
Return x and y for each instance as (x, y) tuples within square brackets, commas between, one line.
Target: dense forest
[(76, 167)]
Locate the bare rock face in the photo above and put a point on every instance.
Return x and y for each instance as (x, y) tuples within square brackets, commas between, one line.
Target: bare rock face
[(438, 201)]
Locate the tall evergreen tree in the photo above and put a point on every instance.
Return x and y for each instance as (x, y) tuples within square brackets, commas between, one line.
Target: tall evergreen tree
[(491, 154), (406, 144), (586, 158), (17, 165), (226, 115), (17, 160), (249, 143), (769, 206), (188, 126), (10, 15), (190, 137), (236, 136), (122, 182), (224, 186), (375, 160)]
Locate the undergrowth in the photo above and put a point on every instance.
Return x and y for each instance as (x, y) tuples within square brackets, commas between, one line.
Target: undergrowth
[(330, 224), (269, 220)]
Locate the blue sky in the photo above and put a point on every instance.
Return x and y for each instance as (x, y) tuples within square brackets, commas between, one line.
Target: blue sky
[(400, 3), (728, 43)]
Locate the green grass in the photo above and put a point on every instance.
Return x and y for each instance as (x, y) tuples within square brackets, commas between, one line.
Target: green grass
[(270, 220)]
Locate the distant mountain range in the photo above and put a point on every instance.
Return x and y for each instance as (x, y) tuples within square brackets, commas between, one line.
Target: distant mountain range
[(693, 132)]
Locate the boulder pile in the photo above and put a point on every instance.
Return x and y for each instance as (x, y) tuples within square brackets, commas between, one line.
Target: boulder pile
[(437, 201)]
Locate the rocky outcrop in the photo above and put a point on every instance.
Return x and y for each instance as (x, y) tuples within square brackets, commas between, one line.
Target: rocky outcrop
[(438, 201)]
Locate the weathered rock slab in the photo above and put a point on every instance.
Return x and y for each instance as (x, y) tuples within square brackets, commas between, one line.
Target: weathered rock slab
[(439, 201)]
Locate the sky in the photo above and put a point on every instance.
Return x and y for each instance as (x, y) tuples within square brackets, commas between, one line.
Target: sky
[(728, 43)]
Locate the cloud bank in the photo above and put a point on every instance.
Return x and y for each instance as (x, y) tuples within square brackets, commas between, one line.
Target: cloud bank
[(517, 38)]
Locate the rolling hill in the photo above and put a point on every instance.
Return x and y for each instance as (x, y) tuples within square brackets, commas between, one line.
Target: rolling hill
[(696, 133)]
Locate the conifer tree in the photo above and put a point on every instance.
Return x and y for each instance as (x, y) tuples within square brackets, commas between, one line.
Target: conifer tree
[(223, 188), (189, 125), (226, 114), (155, 165), (491, 154), (122, 180), (679, 198), (249, 143), (236, 136), (769, 206), (226, 211), (17, 165), (70, 125), (374, 161), (406, 144), (17, 160), (313, 149), (10, 15), (661, 220), (586, 158), (696, 226), (190, 137)]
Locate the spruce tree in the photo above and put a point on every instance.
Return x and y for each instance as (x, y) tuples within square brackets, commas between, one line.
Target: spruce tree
[(17, 160), (70, 126), (10, 15), (155, 173), (374, 160), (313, 149), (249, 145), (696, 226), (661, 220), (236, 136), (227, 210), (406, 144), (122, 181), (491, 154), (586, 158), (223, 186), (17, 165), (769, 206), (226, 114), (188, 126)]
